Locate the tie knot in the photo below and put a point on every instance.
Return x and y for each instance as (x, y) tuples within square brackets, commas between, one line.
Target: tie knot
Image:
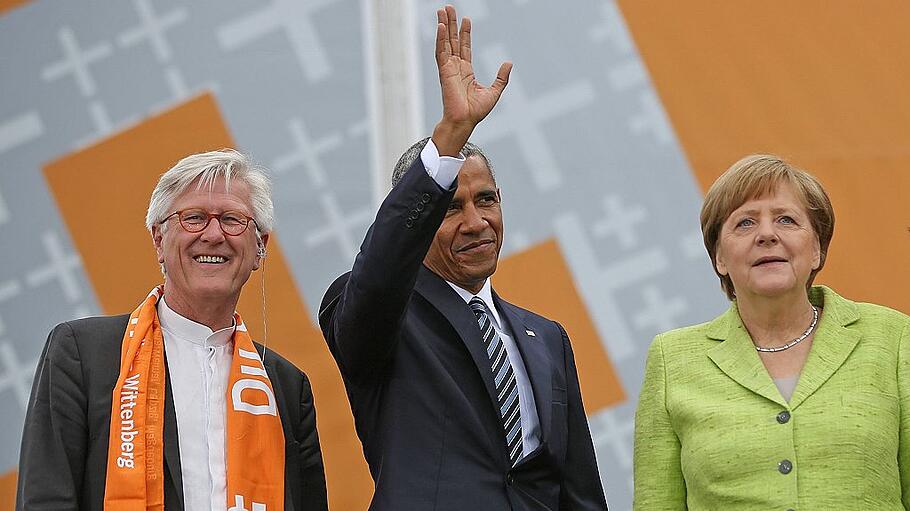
[(477, 306)]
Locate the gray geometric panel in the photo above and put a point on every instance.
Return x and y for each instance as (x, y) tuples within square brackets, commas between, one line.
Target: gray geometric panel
[(582, 148)]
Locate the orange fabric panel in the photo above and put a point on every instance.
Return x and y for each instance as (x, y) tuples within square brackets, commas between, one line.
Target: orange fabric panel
[(817, 82), (103, 192), (8, 491), (8, 5), (556, 298)]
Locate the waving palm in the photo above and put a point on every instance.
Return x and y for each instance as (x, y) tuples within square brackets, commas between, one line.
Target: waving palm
[(465, 102)]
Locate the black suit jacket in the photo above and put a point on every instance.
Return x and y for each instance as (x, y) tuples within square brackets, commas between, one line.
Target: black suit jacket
[(63, 459), (419, 382)]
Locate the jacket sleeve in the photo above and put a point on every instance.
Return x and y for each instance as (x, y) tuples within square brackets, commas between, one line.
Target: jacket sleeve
[(360, 316), (581, 487), (312, 471), (903, 388), (54, 441), (659, 484)]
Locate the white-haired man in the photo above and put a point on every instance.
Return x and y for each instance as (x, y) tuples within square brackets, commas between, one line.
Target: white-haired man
[(174, 406)]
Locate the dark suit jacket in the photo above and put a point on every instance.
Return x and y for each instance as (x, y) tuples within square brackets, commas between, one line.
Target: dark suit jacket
[(63, 460), (419, 382)]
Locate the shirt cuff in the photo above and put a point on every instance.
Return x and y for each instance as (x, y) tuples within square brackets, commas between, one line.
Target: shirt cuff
[(443, 169)]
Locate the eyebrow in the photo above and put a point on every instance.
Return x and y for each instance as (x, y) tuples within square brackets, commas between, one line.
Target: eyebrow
[(773, 210)]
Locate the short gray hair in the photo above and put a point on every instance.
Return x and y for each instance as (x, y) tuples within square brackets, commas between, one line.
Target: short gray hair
[(410, 156), (207, 167)]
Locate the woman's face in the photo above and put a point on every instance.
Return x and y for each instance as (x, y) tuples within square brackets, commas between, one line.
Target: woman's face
[(767, 246)]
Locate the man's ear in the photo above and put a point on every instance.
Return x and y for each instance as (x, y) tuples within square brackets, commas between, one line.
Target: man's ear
[(156, 239), (261, 242)]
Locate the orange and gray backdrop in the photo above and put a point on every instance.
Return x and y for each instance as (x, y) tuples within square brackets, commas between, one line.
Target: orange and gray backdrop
[(619, 115)]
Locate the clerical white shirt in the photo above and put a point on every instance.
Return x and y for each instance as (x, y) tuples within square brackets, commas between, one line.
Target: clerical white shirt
[(198, 363)]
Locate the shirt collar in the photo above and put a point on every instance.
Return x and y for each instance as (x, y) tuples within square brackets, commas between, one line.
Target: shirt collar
[(188, 330), (485, 294)]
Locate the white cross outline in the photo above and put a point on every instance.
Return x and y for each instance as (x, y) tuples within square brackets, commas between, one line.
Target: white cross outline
[(692, 245), (606, 430), (4, 210), (76, 61), (307, 152), (599, 285), (178, 85), (521, 117), (627, 74), (20, 130), (153, 28), (16, 375), (9, 289), (294, 18), (620, 221), (658, 311), (359, 128), (62, 266), (337, 226), (614, 28), (240, 506), (651, 118)]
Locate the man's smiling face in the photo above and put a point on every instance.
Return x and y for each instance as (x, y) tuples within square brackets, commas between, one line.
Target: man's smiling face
[(466, 247), (207, 265)]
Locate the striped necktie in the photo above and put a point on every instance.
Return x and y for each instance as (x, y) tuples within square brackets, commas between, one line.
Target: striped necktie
[(504, 379)]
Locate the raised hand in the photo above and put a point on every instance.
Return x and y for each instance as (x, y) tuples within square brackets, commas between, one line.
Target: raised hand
[(465, 102)]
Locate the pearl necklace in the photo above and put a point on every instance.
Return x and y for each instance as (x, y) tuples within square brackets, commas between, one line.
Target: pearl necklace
[(796, 341)]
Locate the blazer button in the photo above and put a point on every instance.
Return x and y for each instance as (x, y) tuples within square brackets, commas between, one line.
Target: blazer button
[(420, 206), (509, 479), (785, 466), (425, 198), (783, 417), (413, 215), (409, 223)]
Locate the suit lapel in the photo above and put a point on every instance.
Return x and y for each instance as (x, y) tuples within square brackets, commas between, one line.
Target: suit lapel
[(459, 315), (735, 355), (171, 446), (534, 354), (832, 344)]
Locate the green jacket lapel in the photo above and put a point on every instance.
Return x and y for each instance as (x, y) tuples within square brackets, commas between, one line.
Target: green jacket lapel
[(833, 342), (735, 355)]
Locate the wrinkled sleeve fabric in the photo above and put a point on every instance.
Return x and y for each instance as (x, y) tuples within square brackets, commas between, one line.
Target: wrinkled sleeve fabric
[(581, 488), (54, 438), (903, 386), (362, 312), (659, 483)]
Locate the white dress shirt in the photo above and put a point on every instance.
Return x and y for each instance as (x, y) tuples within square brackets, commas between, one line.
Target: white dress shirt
[(530, 422), (199, 362)]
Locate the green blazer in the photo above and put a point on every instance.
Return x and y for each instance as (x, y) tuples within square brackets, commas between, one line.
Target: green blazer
[(712, 432)]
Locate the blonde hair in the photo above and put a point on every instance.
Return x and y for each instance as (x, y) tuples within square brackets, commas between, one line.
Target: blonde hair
[(756, 176)]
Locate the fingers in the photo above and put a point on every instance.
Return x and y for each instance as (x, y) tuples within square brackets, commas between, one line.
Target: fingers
[(452, 27), (502, 78), (464, 37), (442, 45)]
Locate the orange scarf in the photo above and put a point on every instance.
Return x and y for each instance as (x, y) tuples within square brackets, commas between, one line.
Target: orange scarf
[(135, 461)]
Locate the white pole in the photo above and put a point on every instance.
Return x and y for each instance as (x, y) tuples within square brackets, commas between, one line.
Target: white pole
[(393, 92)]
